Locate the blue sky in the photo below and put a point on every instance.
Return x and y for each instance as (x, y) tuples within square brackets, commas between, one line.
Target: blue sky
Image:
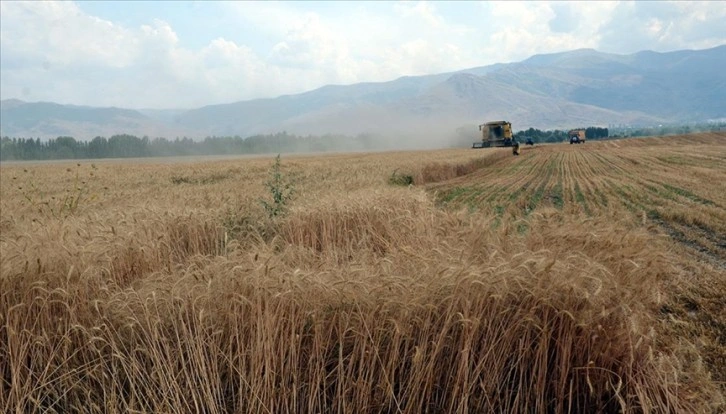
[(146, 54)]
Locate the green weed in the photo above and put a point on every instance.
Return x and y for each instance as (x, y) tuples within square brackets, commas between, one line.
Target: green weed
[(60, 207), (281, 190), (200, 180), (556, 196), (400, 179)]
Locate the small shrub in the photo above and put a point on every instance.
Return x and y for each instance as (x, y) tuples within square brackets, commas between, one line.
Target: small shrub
[(203, 179), (178, 179), (400, 179), (281, 190)]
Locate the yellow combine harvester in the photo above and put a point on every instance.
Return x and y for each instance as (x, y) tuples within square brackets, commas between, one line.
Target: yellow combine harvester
[(495, 134)]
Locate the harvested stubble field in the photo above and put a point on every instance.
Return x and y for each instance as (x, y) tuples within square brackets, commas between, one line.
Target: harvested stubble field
[(585, 278)]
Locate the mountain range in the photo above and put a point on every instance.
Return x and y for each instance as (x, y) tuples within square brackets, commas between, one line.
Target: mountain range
[(562, 90)]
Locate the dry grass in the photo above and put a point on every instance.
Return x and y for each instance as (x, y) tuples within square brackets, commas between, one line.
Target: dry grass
[(561, 284)]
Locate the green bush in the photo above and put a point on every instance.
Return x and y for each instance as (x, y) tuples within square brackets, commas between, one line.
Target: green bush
[(400, 179), (281, 190)]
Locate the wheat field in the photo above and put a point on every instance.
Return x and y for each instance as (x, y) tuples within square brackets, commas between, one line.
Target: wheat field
[(585, 278)]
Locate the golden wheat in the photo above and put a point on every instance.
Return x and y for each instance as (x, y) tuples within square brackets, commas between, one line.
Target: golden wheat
[(583, 279)]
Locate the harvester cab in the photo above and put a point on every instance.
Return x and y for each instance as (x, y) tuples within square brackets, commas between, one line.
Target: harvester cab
[(495, 134)]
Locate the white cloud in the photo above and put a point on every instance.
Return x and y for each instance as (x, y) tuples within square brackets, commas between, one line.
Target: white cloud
[(55, 51), (663, 26), (60, 34), (423, 12), (524, 29)]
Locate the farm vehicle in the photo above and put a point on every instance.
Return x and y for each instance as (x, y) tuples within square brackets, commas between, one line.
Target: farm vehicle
[(576, 136), (580, 135), (496, 134)]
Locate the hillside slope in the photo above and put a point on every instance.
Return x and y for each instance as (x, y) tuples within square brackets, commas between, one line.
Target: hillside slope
[(50, 120), (560, 90)]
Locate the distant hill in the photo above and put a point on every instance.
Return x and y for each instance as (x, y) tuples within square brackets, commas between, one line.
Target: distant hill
[(561, 90), (677, 86), (50, 120)]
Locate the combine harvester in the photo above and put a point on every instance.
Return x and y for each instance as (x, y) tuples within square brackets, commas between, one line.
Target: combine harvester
[(497, 134)]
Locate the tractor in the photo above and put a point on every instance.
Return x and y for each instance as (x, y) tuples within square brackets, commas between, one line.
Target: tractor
[(577, 136)]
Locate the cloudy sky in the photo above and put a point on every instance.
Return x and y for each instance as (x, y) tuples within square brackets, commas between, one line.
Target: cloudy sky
[(167, 54)]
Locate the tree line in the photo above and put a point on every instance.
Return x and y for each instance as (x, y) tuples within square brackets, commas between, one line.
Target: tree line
[(646, 131), (537, 135), (558, 135), (130, 146), (596, 133)]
